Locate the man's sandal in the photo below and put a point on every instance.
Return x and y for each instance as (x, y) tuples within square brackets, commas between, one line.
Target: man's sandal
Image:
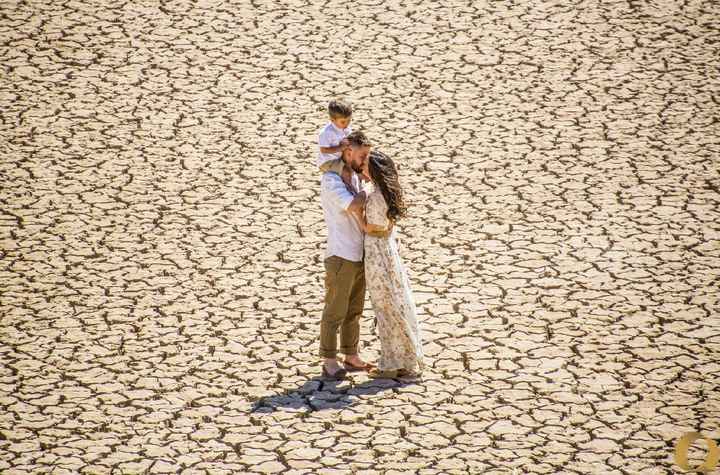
[(352, 368), (339, 375)]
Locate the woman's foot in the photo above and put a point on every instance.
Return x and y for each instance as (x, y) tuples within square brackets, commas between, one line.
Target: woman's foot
[(408, 373), (376, 373)]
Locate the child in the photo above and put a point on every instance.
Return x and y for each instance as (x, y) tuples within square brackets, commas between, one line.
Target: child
[(331, 140)]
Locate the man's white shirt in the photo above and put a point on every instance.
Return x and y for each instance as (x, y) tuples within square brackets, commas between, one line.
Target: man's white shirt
[(345, 238), (330, 136)]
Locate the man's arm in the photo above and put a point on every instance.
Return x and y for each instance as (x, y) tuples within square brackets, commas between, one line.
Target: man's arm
[(379, 231), (338, 194), (377, 226), (357, 206), (371, 229), (354, 204)]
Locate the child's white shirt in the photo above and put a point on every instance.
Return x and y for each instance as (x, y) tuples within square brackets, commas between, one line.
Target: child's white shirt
[(330, 136)]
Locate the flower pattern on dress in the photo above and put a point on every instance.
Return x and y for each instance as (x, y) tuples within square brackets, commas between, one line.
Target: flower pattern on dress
[(388, 284)]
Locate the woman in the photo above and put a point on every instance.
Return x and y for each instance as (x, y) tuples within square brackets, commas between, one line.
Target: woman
[(385, 276)]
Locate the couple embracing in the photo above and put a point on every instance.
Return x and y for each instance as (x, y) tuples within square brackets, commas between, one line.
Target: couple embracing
[(361, 200)]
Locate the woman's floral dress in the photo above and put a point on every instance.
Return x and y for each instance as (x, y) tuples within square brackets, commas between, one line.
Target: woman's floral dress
[(390, 293)]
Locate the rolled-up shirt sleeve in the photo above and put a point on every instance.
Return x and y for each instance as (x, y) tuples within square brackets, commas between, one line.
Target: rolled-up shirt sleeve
[(335, 190)]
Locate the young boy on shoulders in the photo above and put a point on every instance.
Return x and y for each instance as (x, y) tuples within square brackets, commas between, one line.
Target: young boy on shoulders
[(331, 140)]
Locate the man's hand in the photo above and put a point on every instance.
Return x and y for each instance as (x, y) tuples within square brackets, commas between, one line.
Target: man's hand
[(379, 234), (382, 234)]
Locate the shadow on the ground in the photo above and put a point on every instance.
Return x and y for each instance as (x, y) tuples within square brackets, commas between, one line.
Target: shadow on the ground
[(319, 393)]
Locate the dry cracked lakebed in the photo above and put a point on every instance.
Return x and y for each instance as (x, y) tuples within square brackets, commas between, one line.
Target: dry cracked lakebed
[(161, 235)]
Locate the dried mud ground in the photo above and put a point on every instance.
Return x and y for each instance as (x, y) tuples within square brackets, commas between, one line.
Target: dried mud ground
[(161, 233)]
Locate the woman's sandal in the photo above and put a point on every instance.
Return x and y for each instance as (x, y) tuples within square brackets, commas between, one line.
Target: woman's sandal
[(383, 374), (339, 375), (406, 373)]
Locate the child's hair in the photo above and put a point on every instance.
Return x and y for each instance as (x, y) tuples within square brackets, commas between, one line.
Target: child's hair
[(338, 108), (384, 174)]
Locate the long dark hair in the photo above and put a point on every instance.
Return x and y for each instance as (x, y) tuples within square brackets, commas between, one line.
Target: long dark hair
[(384, 174)]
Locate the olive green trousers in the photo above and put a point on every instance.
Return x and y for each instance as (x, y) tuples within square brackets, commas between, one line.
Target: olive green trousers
[(344, 302)]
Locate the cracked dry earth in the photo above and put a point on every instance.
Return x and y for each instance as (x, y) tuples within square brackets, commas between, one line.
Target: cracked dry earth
[(162, 236)]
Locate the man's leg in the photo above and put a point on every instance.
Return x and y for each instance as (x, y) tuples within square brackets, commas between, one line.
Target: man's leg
[(338, 286), (350, 330)]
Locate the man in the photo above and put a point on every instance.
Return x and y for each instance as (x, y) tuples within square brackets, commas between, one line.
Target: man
[(344, 269)]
